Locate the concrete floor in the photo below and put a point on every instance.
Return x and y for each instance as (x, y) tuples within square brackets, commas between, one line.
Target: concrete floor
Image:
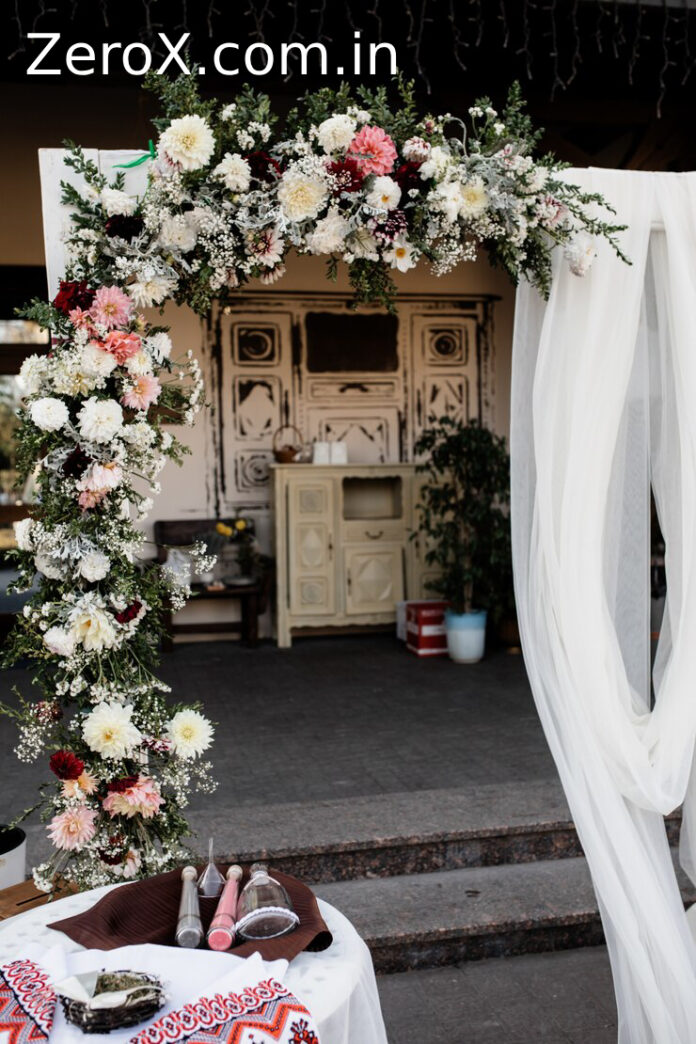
[(357, 716)]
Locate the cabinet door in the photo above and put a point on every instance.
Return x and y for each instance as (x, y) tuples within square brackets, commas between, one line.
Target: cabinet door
[(374, 578), (310, 547)]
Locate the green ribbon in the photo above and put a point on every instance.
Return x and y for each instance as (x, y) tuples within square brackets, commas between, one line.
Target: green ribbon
[(151, 154)]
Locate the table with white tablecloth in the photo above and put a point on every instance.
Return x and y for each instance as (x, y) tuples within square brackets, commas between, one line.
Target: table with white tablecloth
[(337, 985)]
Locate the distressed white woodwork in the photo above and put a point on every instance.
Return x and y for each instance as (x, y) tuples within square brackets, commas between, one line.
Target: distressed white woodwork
[(343, 548)]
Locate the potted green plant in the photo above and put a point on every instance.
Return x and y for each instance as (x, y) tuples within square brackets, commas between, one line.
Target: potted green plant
[(464, 518)]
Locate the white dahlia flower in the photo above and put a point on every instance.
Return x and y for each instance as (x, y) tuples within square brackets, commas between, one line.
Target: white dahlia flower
[(300, 195), (336, 133), (190, 733), (328, 235), (188, 141), (99, 420), (116, 202), (109, 731), (49, 414), (384, 194), (22, 533), (234, 172), (93, 566), (59, 641), (150, 290)]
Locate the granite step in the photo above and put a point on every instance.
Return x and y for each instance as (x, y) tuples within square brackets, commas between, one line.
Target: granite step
[(393, 834), (445, 917)]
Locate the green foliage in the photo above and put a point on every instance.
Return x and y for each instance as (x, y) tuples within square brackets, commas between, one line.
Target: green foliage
[(464, 515)]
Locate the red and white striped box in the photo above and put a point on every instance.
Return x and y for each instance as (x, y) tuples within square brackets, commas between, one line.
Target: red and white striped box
[(425, 628)]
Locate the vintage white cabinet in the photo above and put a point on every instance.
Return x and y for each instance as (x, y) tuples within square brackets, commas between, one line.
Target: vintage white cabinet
[(343, 548)]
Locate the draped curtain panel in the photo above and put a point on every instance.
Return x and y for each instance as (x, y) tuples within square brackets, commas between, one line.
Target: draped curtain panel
[(603, 408)]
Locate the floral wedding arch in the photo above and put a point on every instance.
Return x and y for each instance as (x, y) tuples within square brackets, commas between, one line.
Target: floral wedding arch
[(228, 196)]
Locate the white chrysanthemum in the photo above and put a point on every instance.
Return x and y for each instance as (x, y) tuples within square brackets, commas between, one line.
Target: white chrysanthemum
[(99, 419), (93, 566), (435, 166), (95, 362), (336, 133), (401, 255), (59, 641), (139, 364), (580, 253), (49, 414), (160, 344), (188, 141), (300, 195), (234, 171), (384, 193), (189, 733), (116, 202), (47, 565), (22, 533), (177, 234), (474, 198), (92, 626), (109, 731), (328, 235), (151, 290), (32, 374)]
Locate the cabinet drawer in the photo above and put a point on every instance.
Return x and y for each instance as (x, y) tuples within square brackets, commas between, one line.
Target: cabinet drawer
[(375, 530)]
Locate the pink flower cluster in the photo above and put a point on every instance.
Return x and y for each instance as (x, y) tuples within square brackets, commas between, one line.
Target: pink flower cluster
[(97, 483), (140, 797)]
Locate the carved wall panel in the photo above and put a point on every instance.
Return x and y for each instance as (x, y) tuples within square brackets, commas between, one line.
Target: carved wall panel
[(436, 358)]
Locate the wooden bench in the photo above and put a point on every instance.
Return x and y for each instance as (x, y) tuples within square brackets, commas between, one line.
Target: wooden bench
[(26, 896), (253, 598)]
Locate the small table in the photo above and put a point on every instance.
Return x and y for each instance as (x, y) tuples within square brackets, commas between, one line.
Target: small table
[(250, 598), (338, 985)]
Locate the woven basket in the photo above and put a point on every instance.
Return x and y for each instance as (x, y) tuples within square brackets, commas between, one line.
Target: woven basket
[(287, 453)]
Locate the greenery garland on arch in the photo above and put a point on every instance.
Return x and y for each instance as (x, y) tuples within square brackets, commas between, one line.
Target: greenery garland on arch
[(228, 196)]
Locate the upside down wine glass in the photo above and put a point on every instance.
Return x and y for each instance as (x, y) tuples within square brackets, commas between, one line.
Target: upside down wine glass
[(264, 910)]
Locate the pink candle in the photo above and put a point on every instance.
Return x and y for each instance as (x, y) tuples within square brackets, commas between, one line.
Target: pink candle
[(222, 927)]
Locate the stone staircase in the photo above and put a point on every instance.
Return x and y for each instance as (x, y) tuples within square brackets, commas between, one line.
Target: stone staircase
[(436, 877)]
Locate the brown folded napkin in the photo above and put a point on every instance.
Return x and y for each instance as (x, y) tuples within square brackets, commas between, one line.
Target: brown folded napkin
[(146, 912)]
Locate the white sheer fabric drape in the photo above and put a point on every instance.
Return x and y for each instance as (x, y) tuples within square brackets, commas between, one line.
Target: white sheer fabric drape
[(603, 403)]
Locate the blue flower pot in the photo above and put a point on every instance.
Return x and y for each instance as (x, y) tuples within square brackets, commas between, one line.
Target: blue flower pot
[(466, 636)]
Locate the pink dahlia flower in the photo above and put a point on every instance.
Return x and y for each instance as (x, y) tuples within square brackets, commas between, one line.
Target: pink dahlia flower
[(140, 798), (373, 151), (102, 477), (122, 345), (111, 307), (142, 393), (72, 828)]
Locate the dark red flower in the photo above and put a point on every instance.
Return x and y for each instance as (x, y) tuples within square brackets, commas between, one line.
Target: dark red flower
[(118, 786), (66, 765), (129, 613), (125, 226), (407, 176), (73, 295), (349, 177), (76, 463), (263, 167)]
